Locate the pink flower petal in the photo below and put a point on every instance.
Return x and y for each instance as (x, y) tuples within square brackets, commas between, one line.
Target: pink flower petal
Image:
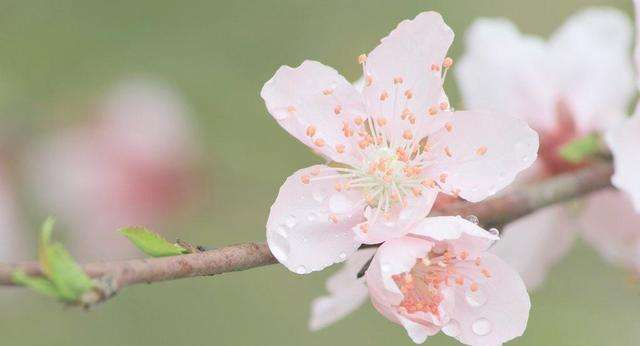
[(624, 141), (497, 312), (347, 292), (595, 73), (480, 153), (399, 221), (503, 70), (535, 243), (461, 233), (610, 225), (400, 67), (312, 102), (309, 226)]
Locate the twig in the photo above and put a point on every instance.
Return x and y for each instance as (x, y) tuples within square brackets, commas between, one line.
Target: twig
[(111, 277)]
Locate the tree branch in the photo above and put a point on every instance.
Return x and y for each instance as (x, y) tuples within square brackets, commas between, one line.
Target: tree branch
[(111, 277)]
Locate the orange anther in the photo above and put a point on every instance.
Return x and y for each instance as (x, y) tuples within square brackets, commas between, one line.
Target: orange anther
[(448, 62), (407, 134), (408, 94), (369, 81), (433, 110), (340, 148), (435, 68), (397, 80), (443, 178), (311, 131), (481, 150), (430, 183), (382, 121), (447, 151), (362, 58), (305, 179), (327, 92), (333, 218), (384, 95), (474, 287), (337, 110), (444, 106), (448, 126), (319, 142)]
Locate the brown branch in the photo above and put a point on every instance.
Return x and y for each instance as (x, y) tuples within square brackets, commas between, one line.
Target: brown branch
[(111, 277)]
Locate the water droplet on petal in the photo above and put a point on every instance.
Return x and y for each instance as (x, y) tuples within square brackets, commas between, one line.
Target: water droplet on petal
[(473, 219), (301, 270), (282, 231), (279, 246), (476, 299), (452, 329), (481, 326), (339, 203), (318, 195), (405, 214), (290, 221)]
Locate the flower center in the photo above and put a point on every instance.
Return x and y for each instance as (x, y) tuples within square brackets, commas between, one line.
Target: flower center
[(422, 286)]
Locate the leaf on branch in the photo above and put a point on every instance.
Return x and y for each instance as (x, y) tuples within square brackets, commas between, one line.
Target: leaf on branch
[(580, 149), (70, 280), (38, 284), (152, 243), (64, 278)]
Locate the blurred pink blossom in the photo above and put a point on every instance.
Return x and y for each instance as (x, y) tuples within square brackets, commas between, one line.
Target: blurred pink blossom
[(129, 164), (13, 238), (577, 83), (394, 146)]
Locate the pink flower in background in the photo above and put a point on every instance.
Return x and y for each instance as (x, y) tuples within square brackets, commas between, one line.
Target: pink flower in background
[(440, 277), (128, 165), (392, 148), (12, 232), (577, 83), (610, 224), (624, 141)]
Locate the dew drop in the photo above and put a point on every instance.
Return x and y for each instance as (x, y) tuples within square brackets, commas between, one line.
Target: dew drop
[(339, 203), (290, 221), (405, 214), (452, 329), (473, 219), (318, 195), (301, 270), (279, 246), (475, 299), (481, 326), (283, 232)]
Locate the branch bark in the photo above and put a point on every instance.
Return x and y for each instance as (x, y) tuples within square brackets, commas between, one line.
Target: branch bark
[(111, 277)]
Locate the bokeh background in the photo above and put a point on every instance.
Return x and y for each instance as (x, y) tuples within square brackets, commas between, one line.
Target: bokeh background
[(57, 57)]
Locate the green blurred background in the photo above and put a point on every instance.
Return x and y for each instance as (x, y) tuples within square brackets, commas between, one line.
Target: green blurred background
[(219, 54)]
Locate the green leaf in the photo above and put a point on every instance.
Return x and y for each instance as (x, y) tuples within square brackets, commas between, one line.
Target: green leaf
[(580, 149), (68, 277), (62, 271), (38, 284), (151, 243)]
